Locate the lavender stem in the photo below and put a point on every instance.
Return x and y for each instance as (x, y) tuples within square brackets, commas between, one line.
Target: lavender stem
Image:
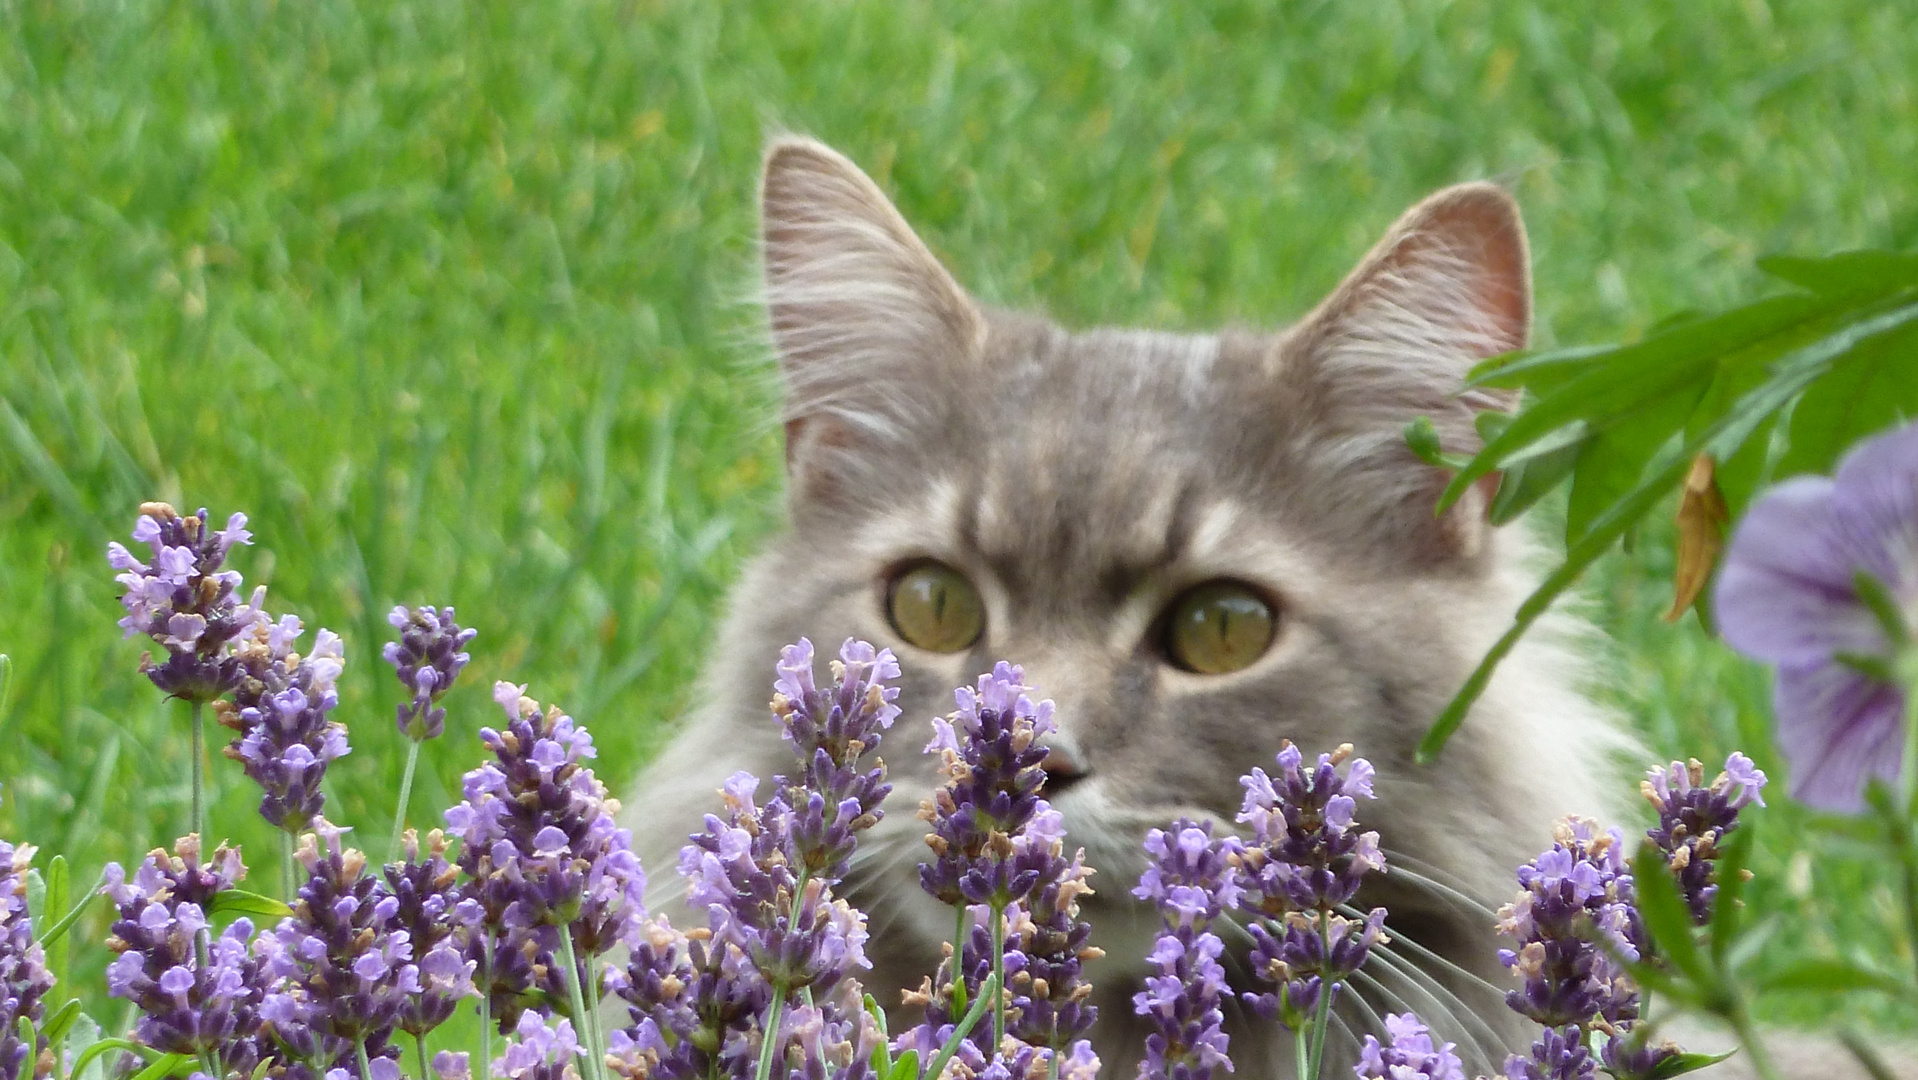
[(288, 889), (769, 1038), (1326, 988), (595, 1054), (199, 771), (366, 1067), (406, 794), (419, 1051), (998, 929), (485, 984)]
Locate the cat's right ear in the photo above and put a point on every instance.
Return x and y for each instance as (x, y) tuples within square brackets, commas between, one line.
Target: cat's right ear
[(861, 312)]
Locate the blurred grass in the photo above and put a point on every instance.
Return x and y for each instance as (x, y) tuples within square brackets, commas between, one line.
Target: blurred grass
[(446, 297)]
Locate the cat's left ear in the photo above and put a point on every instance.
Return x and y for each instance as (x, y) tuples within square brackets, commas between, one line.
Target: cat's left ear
[(1449, 285)]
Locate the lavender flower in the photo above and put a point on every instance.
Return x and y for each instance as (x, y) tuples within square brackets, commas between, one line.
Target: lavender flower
[(1193, 878), (1408, 1053), (1581, 885), (831, 731), (829, 1044), (1047, 943), (341, 973), (1693, 820), (1559, 1054), (279, 708), (1305, 859), (24, 978), (541, 1053), (427, 658), (184, 601), (1790, 594), (425, 888), (693, 1001), (539, 839), (207, 1008), (991, 760)]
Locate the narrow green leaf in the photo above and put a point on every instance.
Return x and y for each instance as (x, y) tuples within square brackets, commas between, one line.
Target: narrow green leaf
[(1526, 482), (1829, 974), (166, 1066), (58, 930), (1680, 1064), (60, 1021), (1614, 460), (36, 898), (988, 993), (1847, 273), (107, 1046), (906, 1068), (57, 904), (241, 902), (1726, 904), (881, 1053), (84, 1034), (1666, 916), (1870, 389)]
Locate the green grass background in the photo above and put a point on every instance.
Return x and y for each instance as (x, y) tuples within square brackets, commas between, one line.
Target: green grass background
[(448, 298)]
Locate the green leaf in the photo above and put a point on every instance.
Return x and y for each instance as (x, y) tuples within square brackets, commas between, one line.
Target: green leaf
[(62, 1019), (1829, 974), (166, 1066), (1870, 389), (1726, 907), (241, 902), (1615, 459), (1423, 438), (1682, 1063), (1666, 915), (881, 1053), (1526, 482), (906, 1068), (83, 1036), (57, 902), (106, 1046), (58, 930), (1846, 274)]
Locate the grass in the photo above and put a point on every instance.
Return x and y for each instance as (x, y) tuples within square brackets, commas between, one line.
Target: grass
[(446, 297)]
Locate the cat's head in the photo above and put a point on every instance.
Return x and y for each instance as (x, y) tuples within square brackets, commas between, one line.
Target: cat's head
[(1198, 545)]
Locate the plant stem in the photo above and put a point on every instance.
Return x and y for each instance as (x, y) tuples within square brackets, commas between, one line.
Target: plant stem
[(1324, 1017), (484, 1067), (769, 1034), (959, 935), (289, 887), (199, 771), (366, 1067), (419, 1051), (1755, 1050), (998, 930), (594, 1054), (592, 1016), (406, 793)]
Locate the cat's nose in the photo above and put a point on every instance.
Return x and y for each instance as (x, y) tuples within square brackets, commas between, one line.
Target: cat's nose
[(1063, 769)]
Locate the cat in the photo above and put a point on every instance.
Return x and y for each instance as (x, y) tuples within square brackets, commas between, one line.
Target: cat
[(1197, 545)]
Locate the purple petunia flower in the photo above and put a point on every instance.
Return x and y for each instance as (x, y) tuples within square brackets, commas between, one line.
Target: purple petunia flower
[(1408, 1053), (184, 601), (1694, 818), (427, 658), (24, 978), (1789, 595)]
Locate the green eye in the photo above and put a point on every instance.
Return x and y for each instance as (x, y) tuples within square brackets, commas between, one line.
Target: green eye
[(1218, 627), (934, 607)]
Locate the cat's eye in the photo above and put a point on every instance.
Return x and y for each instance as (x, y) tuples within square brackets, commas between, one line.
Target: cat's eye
[(1218, 627), (934, 607)]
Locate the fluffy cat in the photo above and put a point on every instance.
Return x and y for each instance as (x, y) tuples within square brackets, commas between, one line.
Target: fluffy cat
[(1067, 491)]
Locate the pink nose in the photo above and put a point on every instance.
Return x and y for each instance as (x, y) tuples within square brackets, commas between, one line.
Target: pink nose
[(1062, 769)]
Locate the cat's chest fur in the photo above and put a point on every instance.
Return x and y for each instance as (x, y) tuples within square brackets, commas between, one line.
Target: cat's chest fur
[(1079, 485)]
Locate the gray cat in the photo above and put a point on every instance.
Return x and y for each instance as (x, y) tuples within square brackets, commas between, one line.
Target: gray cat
[(1198, 545)]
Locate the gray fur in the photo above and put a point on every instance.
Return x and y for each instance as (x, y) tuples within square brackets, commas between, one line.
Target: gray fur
[(1082, 480)]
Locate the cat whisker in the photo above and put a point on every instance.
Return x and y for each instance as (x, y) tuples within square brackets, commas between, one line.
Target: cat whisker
[(1424, 874)]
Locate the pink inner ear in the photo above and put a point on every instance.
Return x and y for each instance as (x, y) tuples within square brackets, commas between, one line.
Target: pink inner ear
[(1478, 223)]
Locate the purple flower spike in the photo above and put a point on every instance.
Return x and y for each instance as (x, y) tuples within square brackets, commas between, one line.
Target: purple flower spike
[(1408, 1053), (538, 837), (184, 601), (425, 885), (1306, 854), (1193, 878), (992, 756), (1559, 1054), (831, 731), (342, 975), (187, 1007), (1580, 886), (1694, 818), (1789, 595), (279, 710), (427, 658), (541, 1052), (24, 978)]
